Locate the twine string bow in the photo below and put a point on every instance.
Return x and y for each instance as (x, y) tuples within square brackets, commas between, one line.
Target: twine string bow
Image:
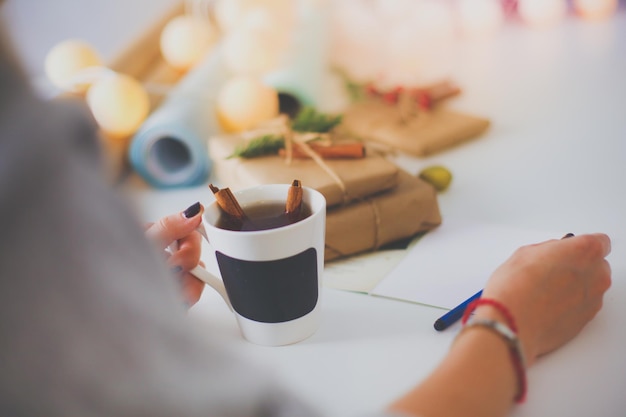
[(280, 126)]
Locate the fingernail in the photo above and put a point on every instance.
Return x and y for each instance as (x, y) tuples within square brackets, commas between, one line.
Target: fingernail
[(177, 269), (192, 211)]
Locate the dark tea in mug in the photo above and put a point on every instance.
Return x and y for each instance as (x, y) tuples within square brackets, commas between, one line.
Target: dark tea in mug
[(263, 216)]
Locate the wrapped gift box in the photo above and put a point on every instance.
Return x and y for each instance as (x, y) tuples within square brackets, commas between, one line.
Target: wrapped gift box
[(366, 225), (358, 178), (421, 134)]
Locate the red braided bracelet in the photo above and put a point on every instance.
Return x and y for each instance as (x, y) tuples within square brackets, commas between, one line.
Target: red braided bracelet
[(509, 333), (494, 303)]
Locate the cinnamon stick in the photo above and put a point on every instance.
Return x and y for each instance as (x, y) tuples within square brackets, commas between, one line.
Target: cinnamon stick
[(228, 203), (335, 151), (294, 199)]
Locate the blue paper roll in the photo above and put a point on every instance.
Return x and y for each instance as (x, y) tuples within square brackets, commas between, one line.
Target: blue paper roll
[(170, 148)]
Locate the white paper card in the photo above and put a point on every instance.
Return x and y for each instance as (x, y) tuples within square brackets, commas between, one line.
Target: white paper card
[(361, 273), (454, 261)]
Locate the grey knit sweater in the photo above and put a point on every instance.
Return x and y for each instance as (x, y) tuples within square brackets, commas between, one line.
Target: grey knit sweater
[(90, 322)]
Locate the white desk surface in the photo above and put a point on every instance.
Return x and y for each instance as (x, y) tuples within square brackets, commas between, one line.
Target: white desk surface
[(555, 159)]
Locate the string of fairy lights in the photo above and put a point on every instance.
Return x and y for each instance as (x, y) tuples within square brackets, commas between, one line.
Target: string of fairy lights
[(406, 36)]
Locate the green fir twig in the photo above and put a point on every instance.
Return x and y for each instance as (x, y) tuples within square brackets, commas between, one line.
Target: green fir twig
[(310, 120), (263, 145), (307, 120)]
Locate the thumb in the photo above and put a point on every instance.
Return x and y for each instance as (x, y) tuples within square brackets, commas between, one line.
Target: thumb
[(175, 226)]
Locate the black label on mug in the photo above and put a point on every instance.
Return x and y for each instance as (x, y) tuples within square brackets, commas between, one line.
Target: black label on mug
[(271, 291)]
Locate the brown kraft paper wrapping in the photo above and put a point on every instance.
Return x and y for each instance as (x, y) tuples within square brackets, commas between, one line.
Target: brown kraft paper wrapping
[(421, 135), (362, 226), (359, 177)]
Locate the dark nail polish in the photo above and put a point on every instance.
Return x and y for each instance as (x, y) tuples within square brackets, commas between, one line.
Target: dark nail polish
[(192, 211), (177, 269)]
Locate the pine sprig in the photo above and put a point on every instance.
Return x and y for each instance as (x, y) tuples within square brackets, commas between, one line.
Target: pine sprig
[(307, 120), (310, 120), (263, 145)]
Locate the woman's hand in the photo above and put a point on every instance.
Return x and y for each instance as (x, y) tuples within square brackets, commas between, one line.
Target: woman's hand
[(181, 228), (552, 289)]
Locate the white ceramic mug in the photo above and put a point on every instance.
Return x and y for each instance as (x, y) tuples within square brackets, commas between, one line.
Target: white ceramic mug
[(270, 278)]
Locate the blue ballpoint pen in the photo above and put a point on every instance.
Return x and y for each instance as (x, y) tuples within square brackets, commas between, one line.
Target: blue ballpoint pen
[(455, 314)]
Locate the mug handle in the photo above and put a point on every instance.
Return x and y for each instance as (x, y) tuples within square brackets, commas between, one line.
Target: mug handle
[(214, 282), (202, 274)]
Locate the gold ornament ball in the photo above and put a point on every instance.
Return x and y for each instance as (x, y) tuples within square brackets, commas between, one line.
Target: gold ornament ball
[(66, 59), (542, 13), (228, 14), (119, 103), (244, 102), (185, 40), (479, 18), (232, 15), (438, 176), (251, 51), (595, 9)]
